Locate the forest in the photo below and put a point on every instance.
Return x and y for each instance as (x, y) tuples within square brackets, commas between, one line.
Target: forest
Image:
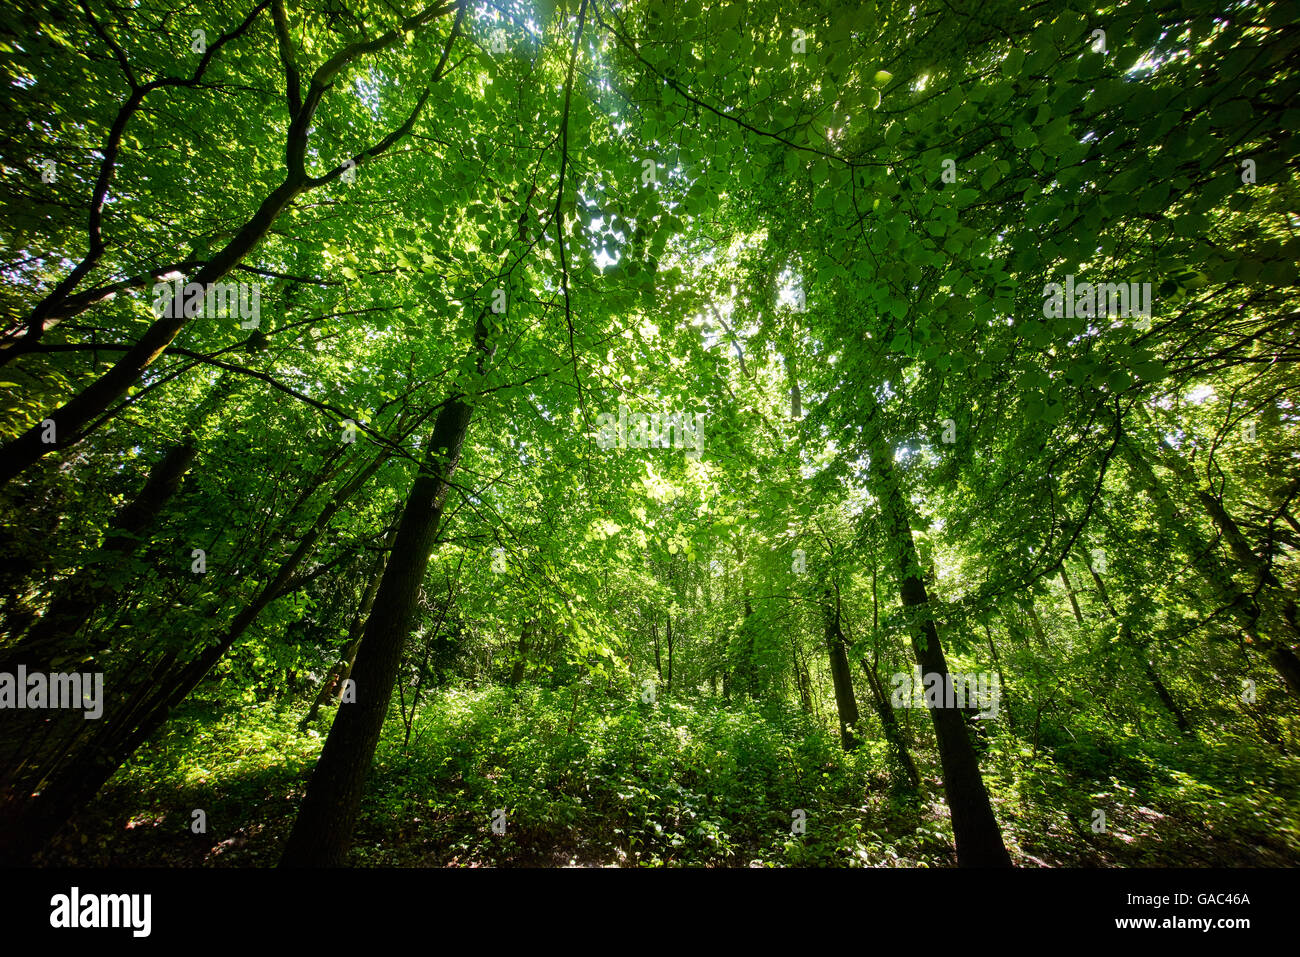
[(650, 434)]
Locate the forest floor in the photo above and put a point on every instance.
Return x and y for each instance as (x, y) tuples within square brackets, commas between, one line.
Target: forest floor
[(677, 783)]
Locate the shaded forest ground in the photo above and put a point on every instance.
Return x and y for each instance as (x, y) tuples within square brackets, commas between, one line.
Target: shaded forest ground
[(680, 782)]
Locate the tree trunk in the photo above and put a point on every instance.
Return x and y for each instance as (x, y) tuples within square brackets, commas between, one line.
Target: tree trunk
[(337, 679), (1002, 679), (323, 831), (800, 678), (893, 731), (29, 822), (1265, 619), (975, 829), (1069, 590), (521, 656), (796, 402), (80, 595), (1036, 623), (72, 419), (1288, 666), (668, 634), (1142, 648), (845, 703)]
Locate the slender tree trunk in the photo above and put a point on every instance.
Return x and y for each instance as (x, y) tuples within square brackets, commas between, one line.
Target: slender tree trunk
[(846, 704), (521, 656), (334, 683), (668, 634), (1069, 590), (1002, 679), (332, 686), (889, 723), (29, 821), (894, 733), (796, 402), (800, 678), (427, 637), (1267, 619), (750, 672), (975, 829), (1162, 692), (56, 631), (1142, 648), (573, 715), (323, 831), (1036, 623)]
